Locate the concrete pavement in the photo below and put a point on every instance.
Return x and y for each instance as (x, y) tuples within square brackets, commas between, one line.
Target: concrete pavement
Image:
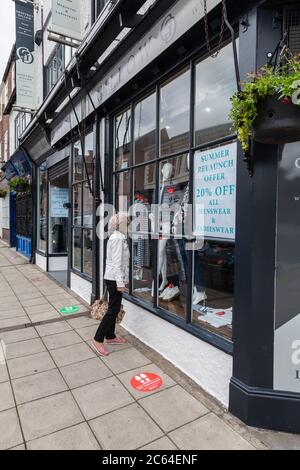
[(56, 393)]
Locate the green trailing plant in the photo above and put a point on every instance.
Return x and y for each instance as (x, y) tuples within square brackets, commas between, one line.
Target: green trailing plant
[(18, 181), (282, 82), (2, 193)]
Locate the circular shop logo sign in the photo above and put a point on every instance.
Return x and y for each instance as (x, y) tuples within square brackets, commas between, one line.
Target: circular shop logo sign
[(168, 28), (25, 55)]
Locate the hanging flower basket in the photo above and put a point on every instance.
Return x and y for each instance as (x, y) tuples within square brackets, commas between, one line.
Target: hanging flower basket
[(21, 188), (267, 109), (277, 122), (2, 193), (19, 185)]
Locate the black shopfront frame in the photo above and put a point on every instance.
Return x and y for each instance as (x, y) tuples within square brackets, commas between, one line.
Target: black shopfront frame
[(189, 64)]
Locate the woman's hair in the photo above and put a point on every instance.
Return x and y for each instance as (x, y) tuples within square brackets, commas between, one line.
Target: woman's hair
[(118, 222)]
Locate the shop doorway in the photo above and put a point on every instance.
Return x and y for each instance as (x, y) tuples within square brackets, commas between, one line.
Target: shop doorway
[(58, 224)]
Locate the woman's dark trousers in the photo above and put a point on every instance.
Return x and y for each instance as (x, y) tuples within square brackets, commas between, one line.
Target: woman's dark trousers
[(108, 324)]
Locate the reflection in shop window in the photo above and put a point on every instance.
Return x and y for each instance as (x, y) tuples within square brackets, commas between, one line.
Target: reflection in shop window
[(215, 84), (145, 130), (175, 114), (122, 140), (83, 205), (122, 191)]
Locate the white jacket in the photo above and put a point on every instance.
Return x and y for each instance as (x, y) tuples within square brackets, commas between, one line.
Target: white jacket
[(117, 259)]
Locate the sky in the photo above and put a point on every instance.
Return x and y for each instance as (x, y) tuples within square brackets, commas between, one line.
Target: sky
[(7, 32)]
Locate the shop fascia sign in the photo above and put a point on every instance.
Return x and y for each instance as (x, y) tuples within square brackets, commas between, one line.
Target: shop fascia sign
[(66, 19), (176, 21)]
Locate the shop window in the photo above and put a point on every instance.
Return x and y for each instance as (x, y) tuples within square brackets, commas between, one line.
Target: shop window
[(143, 247), (145, 130), (83, 206), (99, 6), (59, 214), (194, 281), (42, 209), (123, 140), (175, 114), (55, 68), (172, 255), (214, 85)]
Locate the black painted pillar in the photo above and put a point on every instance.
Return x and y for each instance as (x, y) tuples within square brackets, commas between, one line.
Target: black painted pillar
[(252, 395)]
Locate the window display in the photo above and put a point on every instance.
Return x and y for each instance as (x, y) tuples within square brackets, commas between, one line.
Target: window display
[(182, 246)]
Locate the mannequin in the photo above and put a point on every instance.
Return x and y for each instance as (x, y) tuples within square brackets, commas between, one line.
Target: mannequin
[(179, 218)]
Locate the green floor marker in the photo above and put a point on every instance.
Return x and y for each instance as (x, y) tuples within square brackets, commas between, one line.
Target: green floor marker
[(69, 310)]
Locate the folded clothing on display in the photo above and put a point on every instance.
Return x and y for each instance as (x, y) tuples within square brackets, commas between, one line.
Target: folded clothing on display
[(215, 317)]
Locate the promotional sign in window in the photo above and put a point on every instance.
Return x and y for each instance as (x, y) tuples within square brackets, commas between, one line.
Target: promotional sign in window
[(59, 197), (25, 65), (66, 18), (287, 293), (215, 192)]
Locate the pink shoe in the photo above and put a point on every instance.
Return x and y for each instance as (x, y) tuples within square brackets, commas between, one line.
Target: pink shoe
[(99, 349), (116, 341)]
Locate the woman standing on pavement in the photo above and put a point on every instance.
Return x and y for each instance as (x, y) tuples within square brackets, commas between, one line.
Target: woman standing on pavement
[(116, 278)]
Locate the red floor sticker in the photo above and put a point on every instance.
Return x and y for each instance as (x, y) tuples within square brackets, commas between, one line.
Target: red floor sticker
[(146, 382)]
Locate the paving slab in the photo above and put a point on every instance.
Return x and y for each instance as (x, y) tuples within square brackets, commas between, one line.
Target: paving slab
[(173, 408), (24, 348), (10, 430), (208, 433), (61, 340), (72, 354), (125, 429), (101, 397), (38, 386), (122, 361), (6, 397), (161, 444), (82, 322), (11, 322), (20, 447), (3, 373), (12, 313), (48, 415), (41, 317), (29, 365), (126, 377), (85, 372), (78, 437), (53, 328), (18, 335)]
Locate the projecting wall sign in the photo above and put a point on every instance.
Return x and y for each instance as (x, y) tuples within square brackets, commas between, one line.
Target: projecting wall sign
[(66, 18), (25, 57)]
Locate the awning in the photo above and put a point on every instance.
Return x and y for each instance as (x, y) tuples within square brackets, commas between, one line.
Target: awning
[(18, 165)]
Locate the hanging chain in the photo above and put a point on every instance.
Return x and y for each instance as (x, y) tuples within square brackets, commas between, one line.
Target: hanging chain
[(216, 53)]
